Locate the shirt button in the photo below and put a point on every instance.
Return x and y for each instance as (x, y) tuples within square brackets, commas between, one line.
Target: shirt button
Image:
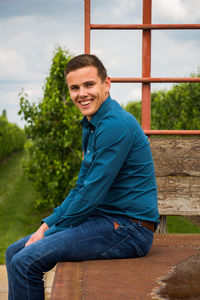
[(71, 226), (92, 131), (88, 151)]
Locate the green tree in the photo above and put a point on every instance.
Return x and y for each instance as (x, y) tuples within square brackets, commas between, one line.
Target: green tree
[(54, 132), (4, 114), (176, 108), (12, 138), (135, 109)]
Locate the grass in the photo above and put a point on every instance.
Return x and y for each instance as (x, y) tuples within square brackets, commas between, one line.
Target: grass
[(178, 224), (17, 214)]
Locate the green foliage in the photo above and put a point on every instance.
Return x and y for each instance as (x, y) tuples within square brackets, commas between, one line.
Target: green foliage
[(18, 217), (54, 134), (176, 108), (12, 138), (135, 109)]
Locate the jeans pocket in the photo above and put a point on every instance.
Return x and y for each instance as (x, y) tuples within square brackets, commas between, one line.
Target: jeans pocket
[(122, 245), (142, 236)]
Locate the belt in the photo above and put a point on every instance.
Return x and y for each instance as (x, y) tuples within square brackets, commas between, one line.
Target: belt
[(147, 224)]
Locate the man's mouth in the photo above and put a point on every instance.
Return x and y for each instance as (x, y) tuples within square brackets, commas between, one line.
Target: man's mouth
[(85, 102)]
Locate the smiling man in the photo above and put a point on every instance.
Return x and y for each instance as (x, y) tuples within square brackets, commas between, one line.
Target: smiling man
[(87, 90), (112, 211)]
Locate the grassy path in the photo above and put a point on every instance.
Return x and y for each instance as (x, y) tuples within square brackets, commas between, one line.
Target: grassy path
[(17, 215)]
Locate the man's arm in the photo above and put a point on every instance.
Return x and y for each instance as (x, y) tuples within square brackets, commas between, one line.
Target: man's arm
[(113, 142), (60, 210)]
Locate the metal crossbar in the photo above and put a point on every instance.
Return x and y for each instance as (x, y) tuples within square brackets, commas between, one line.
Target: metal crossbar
[(146, 78), (143, 26)]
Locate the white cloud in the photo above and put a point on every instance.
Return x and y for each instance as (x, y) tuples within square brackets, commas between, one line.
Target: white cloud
[(124, 7), (126, 92), (176, 11), (120, 52), (14, 67), (172, 58), (9, 99), (134, 93), (27, 50), (116, 11)]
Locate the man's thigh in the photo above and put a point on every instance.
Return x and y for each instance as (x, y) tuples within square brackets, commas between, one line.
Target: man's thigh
[(84, 242), (90, 240)]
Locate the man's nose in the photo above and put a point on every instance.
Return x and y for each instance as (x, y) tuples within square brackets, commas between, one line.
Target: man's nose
[(82, 92)]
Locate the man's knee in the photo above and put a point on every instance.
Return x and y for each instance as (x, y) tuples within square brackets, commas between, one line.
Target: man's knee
[(15, 248), (10, 252), (16, 262)]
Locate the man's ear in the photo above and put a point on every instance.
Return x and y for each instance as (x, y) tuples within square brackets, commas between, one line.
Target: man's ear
[(107, 83)]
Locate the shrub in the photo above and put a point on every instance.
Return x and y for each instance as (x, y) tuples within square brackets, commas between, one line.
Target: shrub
[(12, 138), (54, 136)]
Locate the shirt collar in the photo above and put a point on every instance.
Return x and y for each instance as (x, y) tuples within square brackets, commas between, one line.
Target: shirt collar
[(98, 115)]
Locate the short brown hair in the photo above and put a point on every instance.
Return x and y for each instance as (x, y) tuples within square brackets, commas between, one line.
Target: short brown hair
[(85, 60)]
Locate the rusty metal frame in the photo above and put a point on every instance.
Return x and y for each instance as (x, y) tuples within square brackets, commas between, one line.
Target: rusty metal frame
[(146, 78)]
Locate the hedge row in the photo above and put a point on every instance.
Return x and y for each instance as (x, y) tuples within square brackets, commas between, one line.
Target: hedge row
[(54, 132), (12, 138)]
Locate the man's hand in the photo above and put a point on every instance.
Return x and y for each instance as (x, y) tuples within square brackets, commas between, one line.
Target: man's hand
[(38, 235)]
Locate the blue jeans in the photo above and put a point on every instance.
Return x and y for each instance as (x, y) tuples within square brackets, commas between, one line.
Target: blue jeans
[(100, 237)]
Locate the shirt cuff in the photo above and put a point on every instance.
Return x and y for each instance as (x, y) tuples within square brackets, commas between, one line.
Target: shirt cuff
[(50, 220), (51, 230)]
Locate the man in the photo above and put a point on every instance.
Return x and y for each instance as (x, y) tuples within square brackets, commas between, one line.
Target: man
[(112, 212)]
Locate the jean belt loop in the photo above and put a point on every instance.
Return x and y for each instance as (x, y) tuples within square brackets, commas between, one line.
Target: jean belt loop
[(139, 223)]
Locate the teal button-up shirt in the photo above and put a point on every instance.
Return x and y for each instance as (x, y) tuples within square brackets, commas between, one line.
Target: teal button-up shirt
[(117, 172)]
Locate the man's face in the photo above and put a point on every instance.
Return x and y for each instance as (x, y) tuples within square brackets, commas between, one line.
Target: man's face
[(87, 90)]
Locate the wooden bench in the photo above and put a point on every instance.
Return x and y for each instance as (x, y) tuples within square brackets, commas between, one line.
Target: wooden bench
[(177, 166)]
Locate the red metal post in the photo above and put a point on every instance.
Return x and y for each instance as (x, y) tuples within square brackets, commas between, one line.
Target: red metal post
[(87, 26), (146, 66)]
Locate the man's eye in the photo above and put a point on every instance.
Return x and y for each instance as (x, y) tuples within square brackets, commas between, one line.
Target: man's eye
[(74, 88), (89, 84)]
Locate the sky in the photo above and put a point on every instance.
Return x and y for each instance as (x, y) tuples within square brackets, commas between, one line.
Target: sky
[(30, 31)]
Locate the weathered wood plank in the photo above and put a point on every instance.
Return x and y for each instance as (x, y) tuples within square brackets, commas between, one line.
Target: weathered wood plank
[(176, 155), (177, 168), (162, 227), (189, 186), (179, 195), (184, 146), (67, 282)]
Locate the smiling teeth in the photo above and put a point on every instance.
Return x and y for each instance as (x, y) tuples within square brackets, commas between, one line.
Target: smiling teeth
[(85, 103)]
